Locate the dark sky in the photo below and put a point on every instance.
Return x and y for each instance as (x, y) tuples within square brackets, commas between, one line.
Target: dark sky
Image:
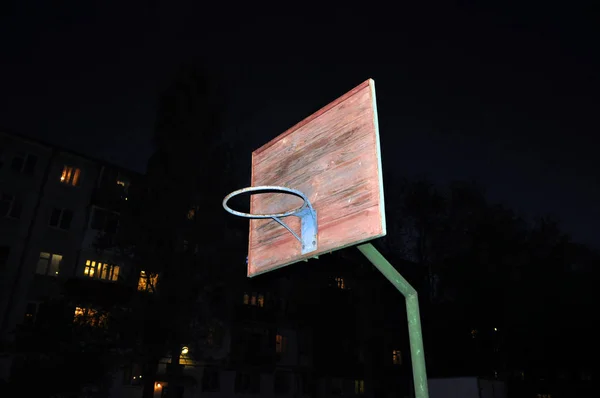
[(508, 97)]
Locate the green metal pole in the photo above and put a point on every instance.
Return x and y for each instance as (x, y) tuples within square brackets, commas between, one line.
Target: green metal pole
[(415, 334)]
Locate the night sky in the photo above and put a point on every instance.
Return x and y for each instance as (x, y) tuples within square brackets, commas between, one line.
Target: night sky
[(508, 98)]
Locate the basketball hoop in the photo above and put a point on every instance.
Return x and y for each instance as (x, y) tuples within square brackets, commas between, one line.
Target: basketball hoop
[(306, 213)]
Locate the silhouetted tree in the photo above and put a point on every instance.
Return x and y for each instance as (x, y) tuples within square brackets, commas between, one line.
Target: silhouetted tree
[(178, 232), (490, 273)]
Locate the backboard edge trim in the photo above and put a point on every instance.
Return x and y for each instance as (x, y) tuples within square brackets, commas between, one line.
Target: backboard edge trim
[(378, 151), (252, 179), (360, 242)]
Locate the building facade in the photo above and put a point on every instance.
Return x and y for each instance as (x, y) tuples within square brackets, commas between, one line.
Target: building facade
[(55, 205)]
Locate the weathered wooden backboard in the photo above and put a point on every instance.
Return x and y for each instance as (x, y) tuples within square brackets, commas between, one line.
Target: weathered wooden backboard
[(333, 157)]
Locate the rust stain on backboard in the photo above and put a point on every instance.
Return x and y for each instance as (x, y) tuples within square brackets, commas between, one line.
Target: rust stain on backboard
[(334, 158)]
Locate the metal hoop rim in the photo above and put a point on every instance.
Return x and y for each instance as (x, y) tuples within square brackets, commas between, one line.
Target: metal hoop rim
[(256, 189)]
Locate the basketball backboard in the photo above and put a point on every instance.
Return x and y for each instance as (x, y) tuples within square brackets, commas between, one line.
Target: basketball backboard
[(333, 157)]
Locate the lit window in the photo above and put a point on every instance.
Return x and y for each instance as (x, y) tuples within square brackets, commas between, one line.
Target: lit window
[(340, 283), (10, 206), (147, 283), (89, 317), (256, 300), (123, 181), (396, 357), (359, 387), (191, 215), (98, 270), (70, 176), (61, 218), (261, 300), (48, 264), (280, 344)]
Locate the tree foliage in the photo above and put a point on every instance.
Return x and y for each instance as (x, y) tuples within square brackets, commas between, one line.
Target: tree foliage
[(175, 230), (487, 267)]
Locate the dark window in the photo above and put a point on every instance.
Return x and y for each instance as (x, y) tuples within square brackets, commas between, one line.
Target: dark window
[(132, 375), (61, 218), (210, 380), (30, 164), (4, 252), (17, 164), (15, 211), (10, 206), (282, 382), (55, 217), (104, 220), (30, 313), (5, 203), (247, 383), (24, 164), (65, 221)]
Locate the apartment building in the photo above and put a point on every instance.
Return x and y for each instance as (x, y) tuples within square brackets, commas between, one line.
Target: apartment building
[(55, 206)]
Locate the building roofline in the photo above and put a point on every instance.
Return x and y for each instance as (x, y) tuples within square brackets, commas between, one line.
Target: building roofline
[(37, 141)]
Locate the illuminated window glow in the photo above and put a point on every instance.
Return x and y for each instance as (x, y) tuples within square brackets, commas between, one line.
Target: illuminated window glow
[(340, 283), (255, 300), (89, 317), (147, 283), (98, 270), (191, 215), (70, 176), (280, 344), (396, 357)]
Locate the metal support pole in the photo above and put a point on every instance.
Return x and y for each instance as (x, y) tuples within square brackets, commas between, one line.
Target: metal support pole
[(415, 335)]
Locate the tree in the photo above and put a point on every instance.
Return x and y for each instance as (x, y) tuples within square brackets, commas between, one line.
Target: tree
[(176, 233), (69, 357)]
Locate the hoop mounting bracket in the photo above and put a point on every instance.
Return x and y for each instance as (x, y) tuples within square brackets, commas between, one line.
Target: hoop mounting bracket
[(308, 216)]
